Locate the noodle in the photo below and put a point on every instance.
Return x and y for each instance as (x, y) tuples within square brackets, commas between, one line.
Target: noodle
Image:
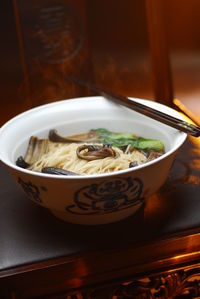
[(64, 156), (97, 151)]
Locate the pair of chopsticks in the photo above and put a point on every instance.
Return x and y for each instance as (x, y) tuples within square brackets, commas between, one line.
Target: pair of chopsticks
[(143, 109)]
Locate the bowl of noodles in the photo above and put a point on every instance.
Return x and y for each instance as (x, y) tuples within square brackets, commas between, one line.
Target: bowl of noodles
[(88, 160)]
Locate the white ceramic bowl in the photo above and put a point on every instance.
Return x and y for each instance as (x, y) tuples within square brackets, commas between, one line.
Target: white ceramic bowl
[(90, 199)]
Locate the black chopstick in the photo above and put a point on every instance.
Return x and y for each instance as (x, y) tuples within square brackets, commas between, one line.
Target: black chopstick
[(155, 114), (143, 109)]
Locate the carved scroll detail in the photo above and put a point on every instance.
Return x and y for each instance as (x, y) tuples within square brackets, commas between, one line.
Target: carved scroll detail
[(170, 285)]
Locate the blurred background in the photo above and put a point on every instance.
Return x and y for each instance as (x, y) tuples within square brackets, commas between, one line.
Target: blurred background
[(140, 48)]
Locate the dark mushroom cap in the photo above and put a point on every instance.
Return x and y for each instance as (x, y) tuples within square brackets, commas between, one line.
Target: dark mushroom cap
[(94, 152)]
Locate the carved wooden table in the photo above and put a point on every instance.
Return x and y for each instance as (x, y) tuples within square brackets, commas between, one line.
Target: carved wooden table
[(154, 254)]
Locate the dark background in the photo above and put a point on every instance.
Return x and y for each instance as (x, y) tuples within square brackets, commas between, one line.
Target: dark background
[(115, 52)]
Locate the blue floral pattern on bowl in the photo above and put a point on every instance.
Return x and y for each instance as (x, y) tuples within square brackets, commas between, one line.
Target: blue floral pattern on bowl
[(107, 197), (31, 190)]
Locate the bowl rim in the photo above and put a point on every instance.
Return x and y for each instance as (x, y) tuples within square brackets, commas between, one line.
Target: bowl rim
[(87, 176)]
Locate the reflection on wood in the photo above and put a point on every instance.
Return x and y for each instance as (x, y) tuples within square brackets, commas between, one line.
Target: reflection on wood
[(176, 284)]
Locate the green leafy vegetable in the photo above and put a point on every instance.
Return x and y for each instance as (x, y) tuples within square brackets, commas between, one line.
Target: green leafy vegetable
[(123, 139)]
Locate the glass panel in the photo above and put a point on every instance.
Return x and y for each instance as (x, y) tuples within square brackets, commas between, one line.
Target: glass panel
[(53, 44), (119, 46)]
